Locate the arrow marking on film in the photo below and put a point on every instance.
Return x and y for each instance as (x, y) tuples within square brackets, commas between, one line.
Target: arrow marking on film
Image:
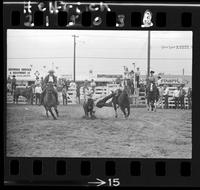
[(99, 182)]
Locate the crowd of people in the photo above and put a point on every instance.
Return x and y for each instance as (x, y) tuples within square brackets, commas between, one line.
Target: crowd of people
[(178, 94), (131, 82)]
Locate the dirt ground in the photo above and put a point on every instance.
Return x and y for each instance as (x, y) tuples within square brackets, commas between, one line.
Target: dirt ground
[(161, 134)]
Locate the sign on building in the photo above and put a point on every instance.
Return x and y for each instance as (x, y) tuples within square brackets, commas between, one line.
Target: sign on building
[(23, 73)]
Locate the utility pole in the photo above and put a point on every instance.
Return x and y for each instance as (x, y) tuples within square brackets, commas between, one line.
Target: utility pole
[(148, 53), (74, 36)]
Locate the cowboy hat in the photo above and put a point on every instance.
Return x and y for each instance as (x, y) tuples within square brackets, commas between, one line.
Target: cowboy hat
[(51, 71)]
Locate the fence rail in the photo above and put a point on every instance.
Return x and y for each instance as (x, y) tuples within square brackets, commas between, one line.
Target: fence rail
[(137, 100)]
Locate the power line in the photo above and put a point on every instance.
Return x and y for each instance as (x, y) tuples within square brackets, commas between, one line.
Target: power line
[(94, 36)]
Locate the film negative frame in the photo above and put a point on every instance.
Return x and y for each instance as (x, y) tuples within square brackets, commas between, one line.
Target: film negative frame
[(112, 171)]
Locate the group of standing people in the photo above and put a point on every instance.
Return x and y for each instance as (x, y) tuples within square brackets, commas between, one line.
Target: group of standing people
[(131, 80), (178, 94), (11, 84)]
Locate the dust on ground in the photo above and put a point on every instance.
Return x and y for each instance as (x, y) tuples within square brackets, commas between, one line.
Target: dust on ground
[(161, 134)]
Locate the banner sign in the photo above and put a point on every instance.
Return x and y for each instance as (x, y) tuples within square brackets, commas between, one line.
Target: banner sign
[(20, 72), (171, 81), (108, 76)]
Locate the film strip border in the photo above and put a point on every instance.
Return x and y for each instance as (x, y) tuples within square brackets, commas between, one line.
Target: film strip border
[(108, 172), (97, 172), (61, 14)]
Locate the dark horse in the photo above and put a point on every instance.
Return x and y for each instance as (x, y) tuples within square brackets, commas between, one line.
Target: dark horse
[(88, 108), (120, 99), (49, 101), (152, 96), (25, 92)]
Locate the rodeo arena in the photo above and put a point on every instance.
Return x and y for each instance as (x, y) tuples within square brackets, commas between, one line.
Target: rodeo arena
[(157, 128), (108, 103)]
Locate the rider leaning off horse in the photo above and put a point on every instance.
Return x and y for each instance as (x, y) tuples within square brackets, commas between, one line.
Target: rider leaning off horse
[(50, 78), (88, 93)]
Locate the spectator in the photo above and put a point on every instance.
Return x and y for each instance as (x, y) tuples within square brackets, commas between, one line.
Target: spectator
[(118, 80), (67, 84), (13, 84), (137, 77), (9, 80), (64, 95), (159, 80), (38, 91), (93, 84), (189, 96), (78, 93), (9, 87), (165, 95), (126, 73), (176, 96), (37, 81), (182, 97), (160, 101)]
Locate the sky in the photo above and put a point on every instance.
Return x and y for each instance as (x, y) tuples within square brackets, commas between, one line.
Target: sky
[(103, 52)]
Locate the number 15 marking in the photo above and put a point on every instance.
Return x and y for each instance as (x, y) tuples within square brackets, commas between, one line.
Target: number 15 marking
[(113, 182)]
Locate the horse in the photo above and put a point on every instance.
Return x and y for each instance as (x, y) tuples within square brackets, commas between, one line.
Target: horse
[(27, 92), (88, 108), (49, 101), (152, 96), (120, 99)]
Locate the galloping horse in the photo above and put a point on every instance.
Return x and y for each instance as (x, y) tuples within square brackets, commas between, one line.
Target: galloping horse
[(27, 92), (50, 101), (152, 95), (119, 99)]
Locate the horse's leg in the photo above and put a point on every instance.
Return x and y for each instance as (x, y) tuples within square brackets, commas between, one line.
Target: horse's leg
[(151, 105), (155, 106), (46, 112), (56, 110), (50, 110), (85, 110), (115, 108), (91, 113), (123, 110), (128, 110)]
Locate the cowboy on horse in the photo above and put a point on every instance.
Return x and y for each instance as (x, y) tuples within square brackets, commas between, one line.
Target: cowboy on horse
[(152, 92), (50, 79)]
